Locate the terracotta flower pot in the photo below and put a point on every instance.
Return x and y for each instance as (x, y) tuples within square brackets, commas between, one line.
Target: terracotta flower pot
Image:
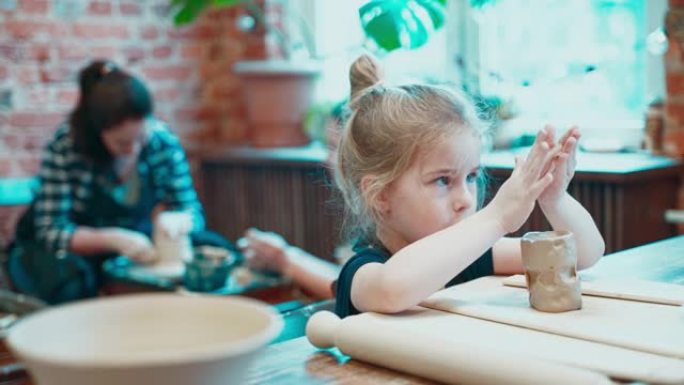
[(278, 94)]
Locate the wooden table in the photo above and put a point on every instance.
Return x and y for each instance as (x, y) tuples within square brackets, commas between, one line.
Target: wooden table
[(298, 362), (295, 361)]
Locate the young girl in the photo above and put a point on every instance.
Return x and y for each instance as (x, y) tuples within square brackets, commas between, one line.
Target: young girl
[(408, 167)]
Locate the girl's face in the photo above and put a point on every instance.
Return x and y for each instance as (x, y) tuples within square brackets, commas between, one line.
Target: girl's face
[(126, 139), (437, 191)]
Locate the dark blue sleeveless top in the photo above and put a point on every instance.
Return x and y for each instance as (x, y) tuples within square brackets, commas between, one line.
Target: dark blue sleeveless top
[(369, 253)]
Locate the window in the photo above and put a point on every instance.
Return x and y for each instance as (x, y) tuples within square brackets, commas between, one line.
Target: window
[(339, 40), (597, 63), (582, 61)]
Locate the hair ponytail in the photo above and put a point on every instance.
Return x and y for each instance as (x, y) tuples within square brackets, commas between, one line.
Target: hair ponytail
[(364, 73)]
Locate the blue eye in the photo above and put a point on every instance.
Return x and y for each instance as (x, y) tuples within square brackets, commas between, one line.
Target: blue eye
[(472, 177), (443, 181)]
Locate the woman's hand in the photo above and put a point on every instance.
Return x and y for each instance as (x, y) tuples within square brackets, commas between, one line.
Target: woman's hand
[(264, 250), (565, 166), (132, 244), (515, 199)]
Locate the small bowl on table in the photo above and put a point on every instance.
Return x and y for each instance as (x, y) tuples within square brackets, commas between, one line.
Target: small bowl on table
[(209, 269)]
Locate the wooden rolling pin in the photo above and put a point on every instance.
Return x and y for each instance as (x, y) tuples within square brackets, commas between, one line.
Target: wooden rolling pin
[(382, 344)]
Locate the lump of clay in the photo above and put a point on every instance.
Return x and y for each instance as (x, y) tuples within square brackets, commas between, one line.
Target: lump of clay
[(550, 262), (172, 237)]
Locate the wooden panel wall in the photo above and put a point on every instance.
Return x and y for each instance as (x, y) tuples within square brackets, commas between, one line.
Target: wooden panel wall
[(292, 200), (627, 214)]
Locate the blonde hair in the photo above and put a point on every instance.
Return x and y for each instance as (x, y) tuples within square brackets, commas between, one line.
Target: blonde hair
[(388, 127)]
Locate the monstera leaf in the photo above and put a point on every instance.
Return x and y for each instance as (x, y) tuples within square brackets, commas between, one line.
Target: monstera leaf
[(394, 24), (186, 11)]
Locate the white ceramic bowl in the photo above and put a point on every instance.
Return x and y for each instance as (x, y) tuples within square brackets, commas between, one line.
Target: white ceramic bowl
[(151, 339)]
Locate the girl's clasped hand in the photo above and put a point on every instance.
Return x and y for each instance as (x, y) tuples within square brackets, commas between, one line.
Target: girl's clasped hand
[(543, 176)]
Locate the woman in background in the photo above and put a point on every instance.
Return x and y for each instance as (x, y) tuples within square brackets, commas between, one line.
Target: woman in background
[(108, 171)]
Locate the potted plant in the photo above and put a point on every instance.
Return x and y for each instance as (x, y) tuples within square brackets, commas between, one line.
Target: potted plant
[(392, 24), (278, 91)]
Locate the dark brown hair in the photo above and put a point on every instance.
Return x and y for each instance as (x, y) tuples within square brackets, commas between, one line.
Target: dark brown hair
[(109, 96)]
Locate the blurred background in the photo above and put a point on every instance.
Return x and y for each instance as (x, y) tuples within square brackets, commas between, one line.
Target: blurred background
[(614, 67)]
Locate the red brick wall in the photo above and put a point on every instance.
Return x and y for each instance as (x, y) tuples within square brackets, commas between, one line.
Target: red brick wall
[(673, 142), (43, 44)]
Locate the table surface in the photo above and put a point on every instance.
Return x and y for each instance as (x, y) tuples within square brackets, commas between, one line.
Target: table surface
[(297, 362)]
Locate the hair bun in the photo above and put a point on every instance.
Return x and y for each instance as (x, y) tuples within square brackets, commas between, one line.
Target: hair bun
[(364, 73)]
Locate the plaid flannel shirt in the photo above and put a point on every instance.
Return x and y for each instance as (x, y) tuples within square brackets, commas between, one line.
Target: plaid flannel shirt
[(67, 181)]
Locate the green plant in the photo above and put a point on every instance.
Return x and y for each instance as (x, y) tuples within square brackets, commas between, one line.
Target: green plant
[(393, 24), (186, 11), (389, 24), (317, 118)]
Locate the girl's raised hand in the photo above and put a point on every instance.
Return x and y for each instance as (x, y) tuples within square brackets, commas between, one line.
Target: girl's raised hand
[(515, 199), (565, 166)]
